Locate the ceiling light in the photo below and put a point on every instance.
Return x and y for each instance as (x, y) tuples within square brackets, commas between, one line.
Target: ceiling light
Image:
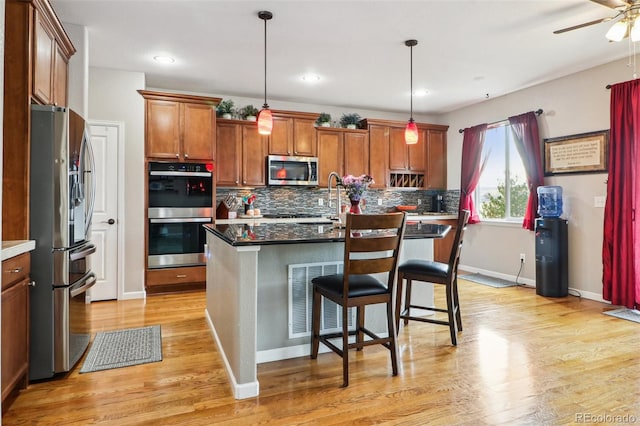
[(311, 78), (617, 31), (420, 92), (635, 30), (265, 118), (164, 59), (411, 131)]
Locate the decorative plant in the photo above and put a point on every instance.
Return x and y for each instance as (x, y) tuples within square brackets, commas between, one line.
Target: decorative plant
[(323, 118), (248, 111), (225, 107), (347, 119)]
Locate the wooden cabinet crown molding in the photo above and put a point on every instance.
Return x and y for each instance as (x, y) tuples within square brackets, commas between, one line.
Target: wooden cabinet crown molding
[(396, 123), (295, 114), (50, 17), (179, 97)]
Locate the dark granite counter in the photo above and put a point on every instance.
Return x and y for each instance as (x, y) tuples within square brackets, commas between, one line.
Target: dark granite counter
[(295, 233)]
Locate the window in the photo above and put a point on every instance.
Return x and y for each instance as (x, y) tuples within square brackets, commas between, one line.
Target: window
[(502, 191)]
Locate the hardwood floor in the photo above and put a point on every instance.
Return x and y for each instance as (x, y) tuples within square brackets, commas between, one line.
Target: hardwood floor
[(521, 359)]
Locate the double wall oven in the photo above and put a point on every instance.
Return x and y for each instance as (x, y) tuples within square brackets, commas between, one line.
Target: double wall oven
[(180, 201)]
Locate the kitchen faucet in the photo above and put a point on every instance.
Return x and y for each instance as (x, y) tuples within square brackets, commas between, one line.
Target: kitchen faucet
[(337, 176)]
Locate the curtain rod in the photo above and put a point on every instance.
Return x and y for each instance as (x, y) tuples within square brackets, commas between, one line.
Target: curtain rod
[(538, 112)]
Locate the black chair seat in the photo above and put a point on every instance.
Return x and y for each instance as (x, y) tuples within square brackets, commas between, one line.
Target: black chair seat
[(359, 285), (424, 267)]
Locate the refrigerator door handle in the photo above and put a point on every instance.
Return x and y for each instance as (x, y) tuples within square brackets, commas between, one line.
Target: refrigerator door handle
[(87, 281), (86, 251), (92, 194)]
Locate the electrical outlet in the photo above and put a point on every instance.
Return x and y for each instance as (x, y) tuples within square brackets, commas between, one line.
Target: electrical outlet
[(419, 201), (522, 258), (379, 201), (320, 202)]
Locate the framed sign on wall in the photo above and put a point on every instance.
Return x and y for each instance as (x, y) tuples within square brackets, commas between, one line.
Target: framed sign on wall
[(581, 153)]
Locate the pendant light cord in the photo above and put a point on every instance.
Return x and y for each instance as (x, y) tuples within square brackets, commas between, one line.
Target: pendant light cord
[(265, 65), (411, 82)]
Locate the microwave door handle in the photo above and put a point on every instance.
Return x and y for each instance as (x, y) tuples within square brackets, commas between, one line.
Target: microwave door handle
[(187, 174), (182, 220), (309, 171), (88, 281)]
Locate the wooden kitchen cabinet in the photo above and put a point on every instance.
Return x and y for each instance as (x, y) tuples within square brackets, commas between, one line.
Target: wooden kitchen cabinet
[(241, 153), (293, 133), (436, 147), (345, 151), (179, 127), (36, 55), (379, 155), (173, 279), (403, 156), (15, 323)]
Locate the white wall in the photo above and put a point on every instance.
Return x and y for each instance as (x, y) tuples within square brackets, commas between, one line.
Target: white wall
[(113, 96), (575, 104), (78, 69)]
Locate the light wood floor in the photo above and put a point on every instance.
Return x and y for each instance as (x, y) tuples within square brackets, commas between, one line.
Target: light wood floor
[(521, 359)]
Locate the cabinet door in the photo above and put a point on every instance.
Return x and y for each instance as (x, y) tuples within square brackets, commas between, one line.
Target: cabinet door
[(416, 154), (228, 154), (304, 137), (254, 153), (397, 149), (436, 171), (44, 43), (15, 336), (281, 139), (163, 129), (198, 127), (379, 155), (356, 154), (330, 155), (60, 75)]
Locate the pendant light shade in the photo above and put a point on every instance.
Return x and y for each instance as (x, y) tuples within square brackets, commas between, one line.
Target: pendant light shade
[(265, 118), (411, 131)]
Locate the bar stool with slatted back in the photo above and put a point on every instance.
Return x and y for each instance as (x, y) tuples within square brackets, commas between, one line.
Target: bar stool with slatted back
[(438, 273), (372, 245)]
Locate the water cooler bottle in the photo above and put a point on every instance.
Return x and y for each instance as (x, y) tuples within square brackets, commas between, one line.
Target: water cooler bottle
[(552, 253)]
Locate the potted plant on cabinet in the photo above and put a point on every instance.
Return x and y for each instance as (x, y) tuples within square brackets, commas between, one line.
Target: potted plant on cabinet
[(249, 113), (323, 120), (225, 108), (350, 121)]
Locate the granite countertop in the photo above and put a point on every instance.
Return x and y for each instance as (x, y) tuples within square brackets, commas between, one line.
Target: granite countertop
[(244, 234), (420, 217), (15, 247)]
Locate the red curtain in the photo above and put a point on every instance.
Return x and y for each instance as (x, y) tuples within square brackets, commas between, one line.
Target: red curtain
[(527, 141), (471, 168), (619, 278)]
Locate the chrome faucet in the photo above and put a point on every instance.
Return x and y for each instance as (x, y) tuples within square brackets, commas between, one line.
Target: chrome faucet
[(337, 176)]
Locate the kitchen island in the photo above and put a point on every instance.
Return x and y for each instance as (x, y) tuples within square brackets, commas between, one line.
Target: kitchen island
[(258, 289)]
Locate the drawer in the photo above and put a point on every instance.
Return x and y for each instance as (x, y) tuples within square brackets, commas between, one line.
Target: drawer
[(15, 269), (191, 274)]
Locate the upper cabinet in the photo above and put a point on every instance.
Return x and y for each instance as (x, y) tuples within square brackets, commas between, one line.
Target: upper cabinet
[(293, 133), (240, 154), (395, 164), (36, 57), (343, 151), (179, 127)]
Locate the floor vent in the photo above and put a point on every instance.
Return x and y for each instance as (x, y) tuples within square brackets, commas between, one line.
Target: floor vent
[(301, 299)]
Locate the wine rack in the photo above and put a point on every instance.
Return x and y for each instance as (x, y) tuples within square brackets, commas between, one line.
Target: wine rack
[(406, 180)]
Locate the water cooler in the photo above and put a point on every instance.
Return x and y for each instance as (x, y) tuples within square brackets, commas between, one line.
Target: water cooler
[(552, 254)]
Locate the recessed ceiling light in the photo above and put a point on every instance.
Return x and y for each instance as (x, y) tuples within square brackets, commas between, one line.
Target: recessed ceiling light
[(311, 78), (164, 59), (420, 92)]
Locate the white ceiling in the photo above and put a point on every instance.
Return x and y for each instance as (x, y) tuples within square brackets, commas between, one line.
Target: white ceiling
[(467, 49)]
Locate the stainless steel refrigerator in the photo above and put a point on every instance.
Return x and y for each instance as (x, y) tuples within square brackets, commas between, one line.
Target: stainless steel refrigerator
[(61, 205)]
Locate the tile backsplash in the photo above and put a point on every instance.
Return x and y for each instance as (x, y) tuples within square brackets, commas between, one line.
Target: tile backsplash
[(289, 200)]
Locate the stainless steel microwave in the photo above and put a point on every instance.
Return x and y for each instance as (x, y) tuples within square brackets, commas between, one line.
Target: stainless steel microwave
[(289, 170)]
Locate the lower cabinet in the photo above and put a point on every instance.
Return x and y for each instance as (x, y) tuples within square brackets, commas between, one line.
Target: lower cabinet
[(442, 246), (176, 279), (15, 323)]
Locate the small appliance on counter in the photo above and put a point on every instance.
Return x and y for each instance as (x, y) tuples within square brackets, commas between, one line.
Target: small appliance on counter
[(437, 203)]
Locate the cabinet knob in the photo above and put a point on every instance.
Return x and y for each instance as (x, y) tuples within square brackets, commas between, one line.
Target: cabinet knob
[(244, 182), (236, 182), (181, 276), (186, 155), (15, 271), (32, 283), (177, 155)]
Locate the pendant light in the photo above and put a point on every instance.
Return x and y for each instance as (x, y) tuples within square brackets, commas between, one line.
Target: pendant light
[(411, 131), (265, 119)]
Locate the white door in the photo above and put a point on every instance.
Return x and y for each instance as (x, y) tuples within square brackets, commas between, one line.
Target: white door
[(104, 226)]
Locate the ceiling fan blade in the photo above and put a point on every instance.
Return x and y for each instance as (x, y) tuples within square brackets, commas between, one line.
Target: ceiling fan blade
[(614, 4), (586, 24)]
